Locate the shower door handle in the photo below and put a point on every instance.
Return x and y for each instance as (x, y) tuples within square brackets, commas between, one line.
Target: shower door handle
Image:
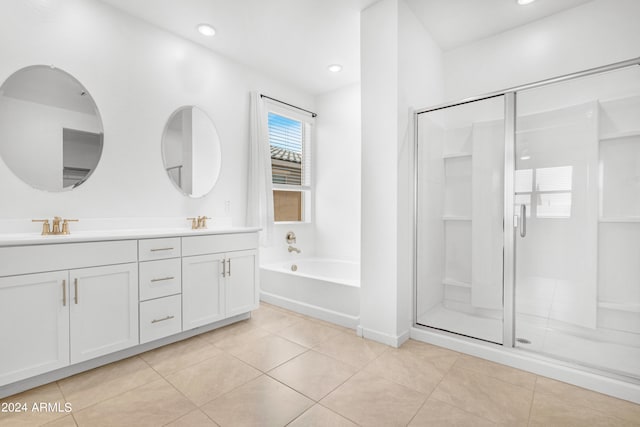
[(523, 220)]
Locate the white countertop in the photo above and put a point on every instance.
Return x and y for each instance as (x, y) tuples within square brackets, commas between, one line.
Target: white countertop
[(22, 239)]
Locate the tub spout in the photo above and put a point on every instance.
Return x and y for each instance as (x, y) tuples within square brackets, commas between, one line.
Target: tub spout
[(292, 249)]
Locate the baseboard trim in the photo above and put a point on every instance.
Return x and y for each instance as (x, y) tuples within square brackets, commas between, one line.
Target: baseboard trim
[(321, 313), (384, 338)]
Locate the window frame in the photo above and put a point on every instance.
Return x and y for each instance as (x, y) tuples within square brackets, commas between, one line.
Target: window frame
[(307, 167)]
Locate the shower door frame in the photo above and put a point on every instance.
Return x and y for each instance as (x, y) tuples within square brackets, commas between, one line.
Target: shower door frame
[(509, 230)]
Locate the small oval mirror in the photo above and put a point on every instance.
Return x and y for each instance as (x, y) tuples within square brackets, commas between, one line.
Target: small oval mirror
[(191, 151), (51, 133)]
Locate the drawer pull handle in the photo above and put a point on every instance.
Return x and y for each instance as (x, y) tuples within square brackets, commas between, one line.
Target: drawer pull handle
[(163, 319), (64, 293), (161, 249), (224, 268), (75, 285), (162, 279), (229, 272)]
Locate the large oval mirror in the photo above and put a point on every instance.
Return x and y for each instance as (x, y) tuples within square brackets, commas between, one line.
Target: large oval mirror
[(51, 132), (191, 151)]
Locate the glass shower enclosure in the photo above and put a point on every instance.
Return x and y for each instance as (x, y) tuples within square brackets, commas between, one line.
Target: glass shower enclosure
[(527, 218)]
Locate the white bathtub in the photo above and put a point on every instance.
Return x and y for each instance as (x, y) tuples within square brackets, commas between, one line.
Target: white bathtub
[(327, 289)]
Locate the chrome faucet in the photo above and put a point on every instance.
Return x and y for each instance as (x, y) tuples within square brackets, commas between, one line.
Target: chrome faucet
[(292, 249)]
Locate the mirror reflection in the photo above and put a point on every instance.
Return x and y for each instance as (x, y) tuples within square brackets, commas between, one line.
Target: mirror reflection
[(191, 151), (51, 133)]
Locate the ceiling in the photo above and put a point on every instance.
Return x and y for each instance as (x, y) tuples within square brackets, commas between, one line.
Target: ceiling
[(295, 40)]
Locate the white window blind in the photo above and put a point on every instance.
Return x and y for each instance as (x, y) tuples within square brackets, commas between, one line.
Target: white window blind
[(289, 141)]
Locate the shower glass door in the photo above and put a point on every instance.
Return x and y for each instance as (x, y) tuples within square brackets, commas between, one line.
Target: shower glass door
[(577, 198), (459, 214)]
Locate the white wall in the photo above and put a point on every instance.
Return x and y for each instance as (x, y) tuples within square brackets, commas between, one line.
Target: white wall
[(593, 34), (401, 68), (137, 75), (337, 174)]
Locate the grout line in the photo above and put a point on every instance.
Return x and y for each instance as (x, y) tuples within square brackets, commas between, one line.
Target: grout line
[(337, 413), (533, 396)]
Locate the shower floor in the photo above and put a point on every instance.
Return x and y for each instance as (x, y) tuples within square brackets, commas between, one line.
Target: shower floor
[(577, 346), (545, 337)]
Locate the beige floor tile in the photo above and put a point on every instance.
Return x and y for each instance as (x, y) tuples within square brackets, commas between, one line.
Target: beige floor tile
[(547, 410), (195, 418), (427, 351), (313, 374), (435, 413), (351, 349), (341, 328), (308, 333), (228, 331), (66, 421), (207, 380), (153, 404), (412, 369), (496, 370), (571, 395), (173, 357), (282, 309), (49, 393), (319, 416), (485, 396), (273, 320), (260, 402), (267, 352), (372, 400), (88, 388), (241, 338)]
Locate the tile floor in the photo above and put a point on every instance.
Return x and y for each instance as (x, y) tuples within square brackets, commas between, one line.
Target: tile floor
[(280, 368)]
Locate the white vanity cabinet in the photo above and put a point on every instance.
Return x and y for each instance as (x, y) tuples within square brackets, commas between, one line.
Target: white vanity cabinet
[(67, 301), (220, 277), (103, 302), (203, 290), (34, 325), (68, 315), (160, 288)]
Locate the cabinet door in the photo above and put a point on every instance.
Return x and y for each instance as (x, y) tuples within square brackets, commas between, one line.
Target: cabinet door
[(202, 293), (242, 280), (104, 310), (34, 319)]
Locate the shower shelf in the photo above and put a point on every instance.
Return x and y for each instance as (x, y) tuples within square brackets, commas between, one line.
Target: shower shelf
[(456, 218), (621, 219), (452, 282), (456, 155), (619, 135), (632, 308)]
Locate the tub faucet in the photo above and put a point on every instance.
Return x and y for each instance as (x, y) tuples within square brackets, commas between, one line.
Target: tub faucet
[(292, 249)]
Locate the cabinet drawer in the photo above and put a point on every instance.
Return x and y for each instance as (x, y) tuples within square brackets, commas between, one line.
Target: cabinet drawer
[(160, 318), (160, 278), (200, 245), (65, 256), (151, 249)]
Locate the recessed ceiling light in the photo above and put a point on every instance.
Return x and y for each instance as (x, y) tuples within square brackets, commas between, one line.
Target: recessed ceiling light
[(335, 68), (206, 30), (523, 2)]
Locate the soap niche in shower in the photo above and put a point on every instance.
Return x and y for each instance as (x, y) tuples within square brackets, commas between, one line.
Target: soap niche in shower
[(619, 216)]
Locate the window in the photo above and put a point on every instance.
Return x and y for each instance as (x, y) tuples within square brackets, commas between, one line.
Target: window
[(290, 145)]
